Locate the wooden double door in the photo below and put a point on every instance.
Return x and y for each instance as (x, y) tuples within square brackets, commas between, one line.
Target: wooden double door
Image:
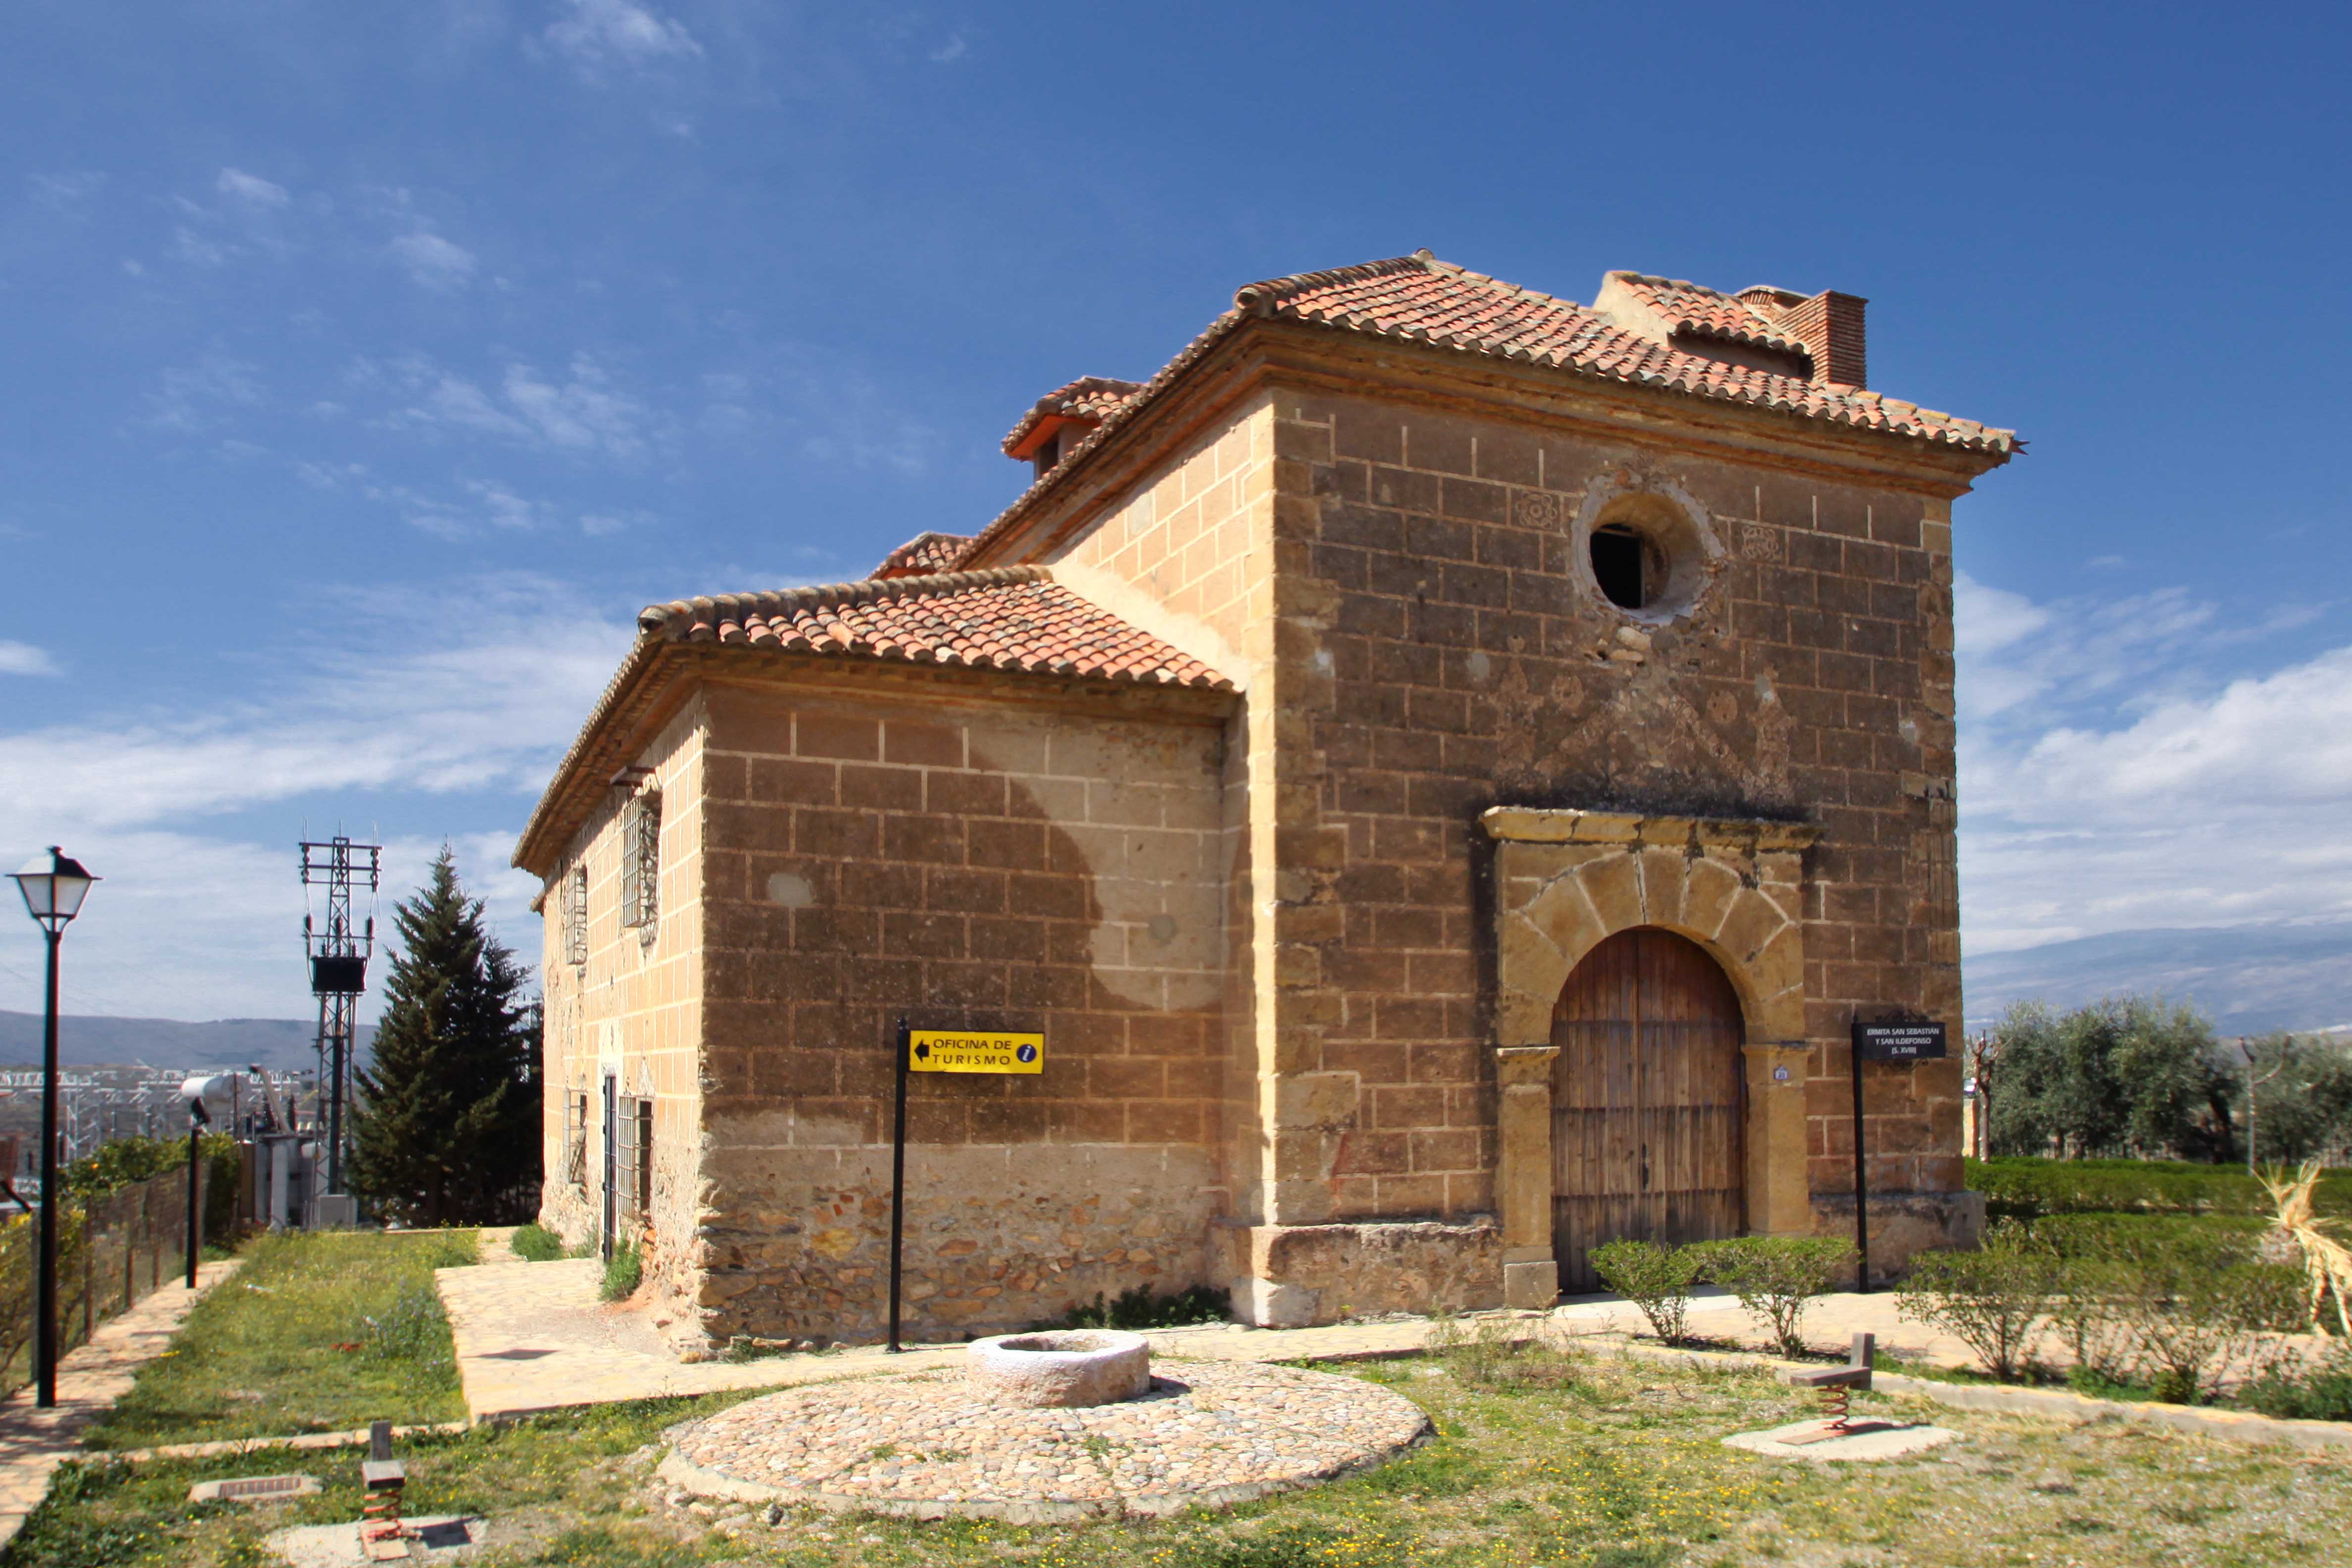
[(1648, 1101)]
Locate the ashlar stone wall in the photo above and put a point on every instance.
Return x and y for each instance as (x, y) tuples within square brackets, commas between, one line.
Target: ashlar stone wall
[(631, 1013), (1448, 649), (970, 851)]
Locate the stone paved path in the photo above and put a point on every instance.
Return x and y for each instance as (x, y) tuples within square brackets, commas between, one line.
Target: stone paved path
[(533, 1337), (34, 1441)]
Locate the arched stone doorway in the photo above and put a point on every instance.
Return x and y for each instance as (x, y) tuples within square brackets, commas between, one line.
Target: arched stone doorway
[(1647, 1100), (1568, 880)]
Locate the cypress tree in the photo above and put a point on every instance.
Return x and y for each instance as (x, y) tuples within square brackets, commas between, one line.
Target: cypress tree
[(447, 1120)]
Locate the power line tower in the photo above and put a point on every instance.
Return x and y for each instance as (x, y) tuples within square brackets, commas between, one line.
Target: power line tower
[(339, 957)]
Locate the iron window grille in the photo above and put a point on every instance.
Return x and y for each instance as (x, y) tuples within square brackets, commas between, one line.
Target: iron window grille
[(641, 862), (634, 1143), (575, 1140), (576, 916)]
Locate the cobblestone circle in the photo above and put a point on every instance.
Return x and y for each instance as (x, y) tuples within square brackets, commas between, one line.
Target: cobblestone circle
[(920, 1445)]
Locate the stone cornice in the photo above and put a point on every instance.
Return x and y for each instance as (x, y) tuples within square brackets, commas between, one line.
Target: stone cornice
[(1570, 824)]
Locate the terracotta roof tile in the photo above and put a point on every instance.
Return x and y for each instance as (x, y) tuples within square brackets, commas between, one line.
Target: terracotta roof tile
[(1013, 617), (923, 553), (1419, 298), (1422, 299), (1089, 400), (1748, 317)]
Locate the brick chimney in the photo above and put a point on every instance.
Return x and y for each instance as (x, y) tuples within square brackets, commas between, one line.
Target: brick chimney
[(1829, 326)]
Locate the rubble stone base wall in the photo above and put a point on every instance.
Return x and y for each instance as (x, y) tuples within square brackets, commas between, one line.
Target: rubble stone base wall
[(1902, 1223), (998, 1236), (1285, 1276)]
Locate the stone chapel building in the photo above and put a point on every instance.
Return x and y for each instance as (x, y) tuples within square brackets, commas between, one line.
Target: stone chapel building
[(1443, 766)]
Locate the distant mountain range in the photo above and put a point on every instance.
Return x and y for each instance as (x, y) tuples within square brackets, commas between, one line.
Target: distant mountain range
[(278, 1044), (2250, 980)]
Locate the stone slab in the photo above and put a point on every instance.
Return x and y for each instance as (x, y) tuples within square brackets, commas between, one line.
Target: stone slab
[(434, 1538), (922, 1446), (1866, 1441)]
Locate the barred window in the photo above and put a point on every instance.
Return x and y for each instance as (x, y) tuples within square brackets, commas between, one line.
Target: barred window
[(641, 862), (575, 1140), (575, 915), (632, 1181)]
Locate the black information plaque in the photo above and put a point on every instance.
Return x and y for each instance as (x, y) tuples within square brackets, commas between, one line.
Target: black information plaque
[(1898, 1042)]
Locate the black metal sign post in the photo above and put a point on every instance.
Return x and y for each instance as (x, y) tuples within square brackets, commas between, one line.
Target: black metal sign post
[(1861, 1179), (947, 1051), (1900, 1042), (897, 1180)]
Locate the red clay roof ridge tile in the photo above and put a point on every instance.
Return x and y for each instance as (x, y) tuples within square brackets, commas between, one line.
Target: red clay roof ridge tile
[(1090, 399)]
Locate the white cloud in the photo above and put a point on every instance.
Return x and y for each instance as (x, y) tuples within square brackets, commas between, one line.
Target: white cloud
[(2107, 782), (69, 190), (432, 261), (596, 34), (192, 397), (579, 411), (250, 189), (469, 691), (950, 51), (452, 695), (24, 658), (485, 506)]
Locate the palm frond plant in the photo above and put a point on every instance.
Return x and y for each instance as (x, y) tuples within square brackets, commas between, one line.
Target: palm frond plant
[(2326, 1262)]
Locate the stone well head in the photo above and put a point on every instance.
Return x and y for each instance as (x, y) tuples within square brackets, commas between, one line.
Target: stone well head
[(1061, 1368)]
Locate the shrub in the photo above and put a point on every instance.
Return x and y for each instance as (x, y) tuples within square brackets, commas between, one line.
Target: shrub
[(1990, 1300), (412, 1328), (2173, 1305), (1655, 1279), (534, 1243), (2194, 1309), (2084, 1311), (2028, 1188), (623, 1271), (2322, 1394), (1774, 1277), (1138, 1307)]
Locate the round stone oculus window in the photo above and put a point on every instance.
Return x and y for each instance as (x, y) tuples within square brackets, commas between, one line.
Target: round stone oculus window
[(1646, 556)]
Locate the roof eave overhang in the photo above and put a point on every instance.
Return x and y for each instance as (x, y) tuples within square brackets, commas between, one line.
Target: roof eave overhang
[(640, 696)]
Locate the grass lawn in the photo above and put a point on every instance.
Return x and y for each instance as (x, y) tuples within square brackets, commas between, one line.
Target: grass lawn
[(316, 1332), (1542, 1459)]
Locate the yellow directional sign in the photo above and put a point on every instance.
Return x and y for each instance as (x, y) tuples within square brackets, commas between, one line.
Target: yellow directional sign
[(963, 1050)]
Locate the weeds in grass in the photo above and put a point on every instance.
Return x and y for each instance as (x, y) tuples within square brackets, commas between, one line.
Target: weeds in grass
[(1626, 1470), (1506, 1356), (272, 1328), (623, 1272)]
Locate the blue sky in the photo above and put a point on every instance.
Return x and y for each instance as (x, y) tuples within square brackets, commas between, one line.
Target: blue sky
[(369, 367)]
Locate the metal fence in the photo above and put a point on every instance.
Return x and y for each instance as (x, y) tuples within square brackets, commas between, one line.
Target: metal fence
[(113, 1251)]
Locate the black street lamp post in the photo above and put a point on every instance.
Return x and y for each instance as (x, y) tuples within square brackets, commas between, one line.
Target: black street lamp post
[(194, 1090), (54, 887)]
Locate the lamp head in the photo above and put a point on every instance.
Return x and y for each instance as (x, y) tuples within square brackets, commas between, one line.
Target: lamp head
[(54, 886), (194, 1090)]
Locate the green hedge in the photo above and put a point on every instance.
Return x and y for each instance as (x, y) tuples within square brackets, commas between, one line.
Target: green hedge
[(2026, 1188), (120, 1161)]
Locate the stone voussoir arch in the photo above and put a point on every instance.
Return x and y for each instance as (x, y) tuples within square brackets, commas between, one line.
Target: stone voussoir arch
[(1566, 881)]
